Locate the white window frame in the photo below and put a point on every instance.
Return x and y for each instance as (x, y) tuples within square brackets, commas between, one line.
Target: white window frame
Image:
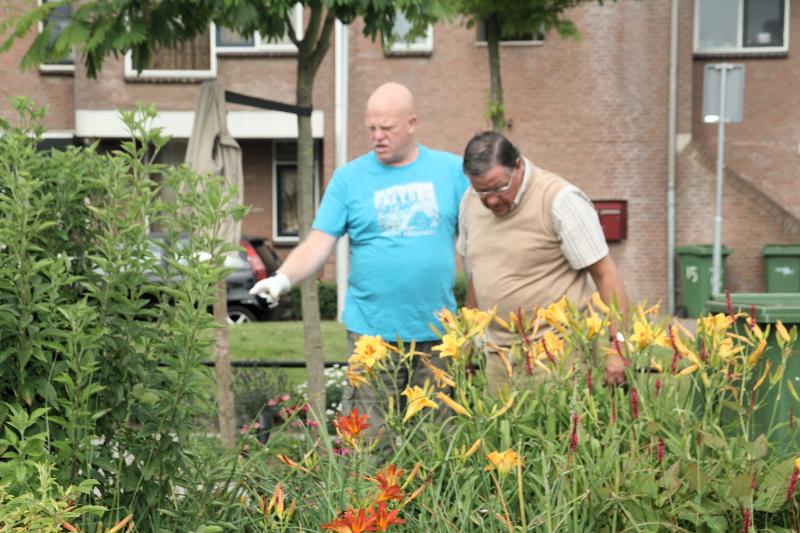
[(741, 49), (263, 46), (411, 48), (55, 67), (155, 74), (276, 237)]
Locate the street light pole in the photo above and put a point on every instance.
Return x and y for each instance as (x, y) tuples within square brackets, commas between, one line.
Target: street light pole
[(716, 261)]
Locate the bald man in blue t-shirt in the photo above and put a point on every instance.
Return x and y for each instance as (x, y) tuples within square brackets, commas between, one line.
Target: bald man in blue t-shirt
[(398, 204)]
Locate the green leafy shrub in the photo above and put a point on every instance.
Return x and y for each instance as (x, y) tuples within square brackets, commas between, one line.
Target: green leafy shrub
[(327, 302), (101, 338)]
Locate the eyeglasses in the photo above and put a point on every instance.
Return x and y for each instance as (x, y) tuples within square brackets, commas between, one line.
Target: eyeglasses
[(498, 190)]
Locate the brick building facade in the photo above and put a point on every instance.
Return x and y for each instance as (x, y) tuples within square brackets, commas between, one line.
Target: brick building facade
[(594, 110)]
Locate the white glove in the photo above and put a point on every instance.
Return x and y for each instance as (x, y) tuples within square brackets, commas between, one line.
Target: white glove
[(271, 288)]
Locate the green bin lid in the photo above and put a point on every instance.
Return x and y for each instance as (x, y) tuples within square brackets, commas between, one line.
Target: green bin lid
[(769, 306), (700, 249), (782, 249)]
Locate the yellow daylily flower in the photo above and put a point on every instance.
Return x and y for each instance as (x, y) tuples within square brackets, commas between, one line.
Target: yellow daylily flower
[(477, 320), (797, 463), (599, 303), (454, 405), (550, 344), (726, 349), (451, 345), (472, 449), (555, 314), (716, 324), (782, 332), (756, 355), (503, 462), (655, 365), (688, 370), (417, 400), (370, 351), (505, 408), (594, 325), (764, 375), (355, 376), (503, 324), (645, 335), (440, 377), (447, 319)]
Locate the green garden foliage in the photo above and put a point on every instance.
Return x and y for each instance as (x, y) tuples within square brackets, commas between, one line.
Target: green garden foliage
[(101, 339)]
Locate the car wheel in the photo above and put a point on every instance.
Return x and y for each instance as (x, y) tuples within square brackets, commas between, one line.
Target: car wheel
[(240, 315)]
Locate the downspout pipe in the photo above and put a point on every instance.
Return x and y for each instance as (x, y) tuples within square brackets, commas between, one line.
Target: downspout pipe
[(341, 105), (672, 155)]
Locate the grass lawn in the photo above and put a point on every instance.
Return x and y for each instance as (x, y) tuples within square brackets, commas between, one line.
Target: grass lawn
[(283, 341)]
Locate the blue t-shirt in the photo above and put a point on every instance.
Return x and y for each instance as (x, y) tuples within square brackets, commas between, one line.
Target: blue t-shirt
[(401, 222)]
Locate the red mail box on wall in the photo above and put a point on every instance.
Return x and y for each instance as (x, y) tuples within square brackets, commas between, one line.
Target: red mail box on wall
[(613, 217)]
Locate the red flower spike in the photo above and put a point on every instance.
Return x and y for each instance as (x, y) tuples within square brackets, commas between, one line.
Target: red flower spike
[(658, 386), (729, 303), (746, 520), (792, 484), (661, 447), (573, 438), (634, 404)]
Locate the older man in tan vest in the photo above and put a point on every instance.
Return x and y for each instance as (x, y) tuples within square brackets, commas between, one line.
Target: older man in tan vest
[(528, 237)]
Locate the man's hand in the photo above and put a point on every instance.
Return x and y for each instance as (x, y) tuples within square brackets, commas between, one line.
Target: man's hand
[(615, 369), (271, 288)]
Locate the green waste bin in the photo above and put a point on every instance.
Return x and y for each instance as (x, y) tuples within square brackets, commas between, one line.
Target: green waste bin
[(768, 308), (782, 267), (695, 262)]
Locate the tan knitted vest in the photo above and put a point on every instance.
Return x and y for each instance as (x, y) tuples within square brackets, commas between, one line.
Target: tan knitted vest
[(515, 261)]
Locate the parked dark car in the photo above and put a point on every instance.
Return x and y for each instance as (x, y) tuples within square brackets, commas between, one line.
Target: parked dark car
[(255, 261)]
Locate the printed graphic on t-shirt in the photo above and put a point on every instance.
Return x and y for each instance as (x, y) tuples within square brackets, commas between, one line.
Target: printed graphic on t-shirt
[(408, 210)]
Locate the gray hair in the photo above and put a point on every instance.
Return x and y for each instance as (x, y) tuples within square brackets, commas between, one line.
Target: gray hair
[(487, 149)]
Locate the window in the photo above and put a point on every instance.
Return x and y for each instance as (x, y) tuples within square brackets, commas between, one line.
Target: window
[(528, 38), (233, 43), (195, 59), (741, 26), (402, 45), (58, 19), (285, 215)]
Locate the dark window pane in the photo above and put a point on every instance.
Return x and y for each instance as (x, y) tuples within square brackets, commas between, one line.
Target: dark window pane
[(58, 20), (763, 23), (527, 36), (189, 55), (228, 37), (288, 216)]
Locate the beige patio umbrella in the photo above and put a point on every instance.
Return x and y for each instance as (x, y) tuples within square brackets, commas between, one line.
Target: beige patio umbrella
[(212, 150)]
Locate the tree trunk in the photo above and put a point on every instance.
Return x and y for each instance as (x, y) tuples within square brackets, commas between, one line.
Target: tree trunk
[(496, 106), (315, 358), (222, 371)]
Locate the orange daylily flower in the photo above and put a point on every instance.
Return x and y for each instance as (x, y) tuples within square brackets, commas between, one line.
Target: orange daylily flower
[(350, 427), (277, 502), (387, 492), (503, 462), (385, 518), (285, 459), (390, 475), (352, 521)]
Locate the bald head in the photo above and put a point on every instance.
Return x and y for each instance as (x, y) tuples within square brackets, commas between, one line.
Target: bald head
[(391, 122)]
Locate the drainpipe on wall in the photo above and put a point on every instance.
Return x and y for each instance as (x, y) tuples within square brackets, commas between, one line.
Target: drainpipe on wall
[(671, 155), (341, 82)]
